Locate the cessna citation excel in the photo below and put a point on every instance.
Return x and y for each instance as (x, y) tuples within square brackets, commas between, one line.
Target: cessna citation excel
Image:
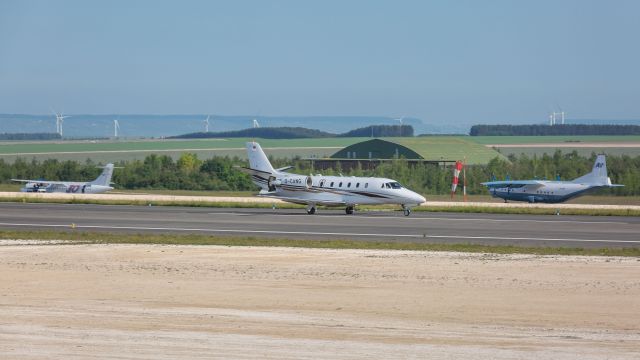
[(99, 185), (552, 191), (316, 190)]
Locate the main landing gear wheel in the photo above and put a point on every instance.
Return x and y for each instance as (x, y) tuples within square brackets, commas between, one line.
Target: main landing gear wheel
[(349, 210), (311, 210)]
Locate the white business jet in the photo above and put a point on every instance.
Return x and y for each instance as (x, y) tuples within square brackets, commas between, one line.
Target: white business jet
[(101, 184), (313, 190)]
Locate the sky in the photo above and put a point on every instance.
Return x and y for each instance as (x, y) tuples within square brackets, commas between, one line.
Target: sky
[(462, 62)]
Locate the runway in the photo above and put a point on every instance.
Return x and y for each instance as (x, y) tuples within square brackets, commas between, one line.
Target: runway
[(422, 227)]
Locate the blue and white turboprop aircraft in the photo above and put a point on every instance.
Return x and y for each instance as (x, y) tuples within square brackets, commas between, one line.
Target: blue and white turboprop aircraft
[(313, 190), (545, 191), (101, 184)]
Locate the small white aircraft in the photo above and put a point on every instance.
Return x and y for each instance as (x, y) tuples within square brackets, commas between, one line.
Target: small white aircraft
[(544, 191), (101, 184), (314, 190)]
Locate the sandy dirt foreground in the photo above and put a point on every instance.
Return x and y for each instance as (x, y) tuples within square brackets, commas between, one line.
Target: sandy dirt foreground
[(62, 301)]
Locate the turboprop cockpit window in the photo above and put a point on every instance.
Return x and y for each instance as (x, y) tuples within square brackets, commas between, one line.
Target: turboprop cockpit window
[(395, 185)]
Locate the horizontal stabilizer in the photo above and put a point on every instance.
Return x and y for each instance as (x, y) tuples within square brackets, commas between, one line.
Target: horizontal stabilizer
[(284, 168), (251, 171)]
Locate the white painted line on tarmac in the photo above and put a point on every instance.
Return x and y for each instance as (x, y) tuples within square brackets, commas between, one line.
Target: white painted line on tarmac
[(520, 220), (364, 216), (240, 231)]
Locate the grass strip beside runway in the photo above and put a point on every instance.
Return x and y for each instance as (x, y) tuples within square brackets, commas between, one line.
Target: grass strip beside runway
[(83, 237)]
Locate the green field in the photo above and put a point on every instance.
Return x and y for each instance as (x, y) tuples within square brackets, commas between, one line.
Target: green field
[(583, 151), (437, 148), (584, 145), (150, 145), (498, 140)]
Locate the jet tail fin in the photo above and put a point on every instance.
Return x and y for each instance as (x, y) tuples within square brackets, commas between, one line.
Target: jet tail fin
[(105, 177), (258, 159), (598, 175)]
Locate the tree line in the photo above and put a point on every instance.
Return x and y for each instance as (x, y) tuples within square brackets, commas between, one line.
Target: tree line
[(30, 136), (534, 130), (218, 173)]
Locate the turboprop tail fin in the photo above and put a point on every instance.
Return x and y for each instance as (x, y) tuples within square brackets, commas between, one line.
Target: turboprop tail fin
[(105, 177), (598, 175)]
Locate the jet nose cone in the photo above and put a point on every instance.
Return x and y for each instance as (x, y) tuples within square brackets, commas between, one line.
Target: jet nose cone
[(416, 198)]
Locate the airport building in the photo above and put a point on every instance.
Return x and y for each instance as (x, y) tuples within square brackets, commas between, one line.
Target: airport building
[(370, 153)]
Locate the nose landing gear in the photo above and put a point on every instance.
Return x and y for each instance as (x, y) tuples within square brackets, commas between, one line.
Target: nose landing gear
[(349, 210), (406, 210), (311, 209)]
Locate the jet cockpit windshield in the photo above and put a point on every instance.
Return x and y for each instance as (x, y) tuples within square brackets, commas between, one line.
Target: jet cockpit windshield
[(393, 185)]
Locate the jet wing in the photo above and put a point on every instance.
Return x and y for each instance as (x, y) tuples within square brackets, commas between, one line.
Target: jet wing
[(304, 201), (513, 184)]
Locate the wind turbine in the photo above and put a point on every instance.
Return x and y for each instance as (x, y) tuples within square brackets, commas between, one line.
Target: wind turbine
[(555, 114), (59, 120), (255, 123), (206, 124), (399, 120), (116, 128)]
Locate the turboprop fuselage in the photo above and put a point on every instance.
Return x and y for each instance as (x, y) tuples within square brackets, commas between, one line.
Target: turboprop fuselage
[(101, 184), (545, 191)]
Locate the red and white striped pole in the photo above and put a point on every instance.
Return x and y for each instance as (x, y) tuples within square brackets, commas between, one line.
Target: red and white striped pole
[(456, 174), (464, 179)]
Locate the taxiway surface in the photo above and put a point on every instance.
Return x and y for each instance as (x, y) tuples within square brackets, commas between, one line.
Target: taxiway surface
[(493, 229)]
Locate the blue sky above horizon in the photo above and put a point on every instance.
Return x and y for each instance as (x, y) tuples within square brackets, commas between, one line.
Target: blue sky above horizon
[(441, 61)]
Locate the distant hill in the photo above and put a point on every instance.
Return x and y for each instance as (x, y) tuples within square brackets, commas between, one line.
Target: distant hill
[(264, 133), (302, 133), (534, 130), (156, 125)]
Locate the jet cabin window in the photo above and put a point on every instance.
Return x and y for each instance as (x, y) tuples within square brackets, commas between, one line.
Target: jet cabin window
[(366, 185), (357, 185), (349, 185), (332, 184), (340, 185)]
